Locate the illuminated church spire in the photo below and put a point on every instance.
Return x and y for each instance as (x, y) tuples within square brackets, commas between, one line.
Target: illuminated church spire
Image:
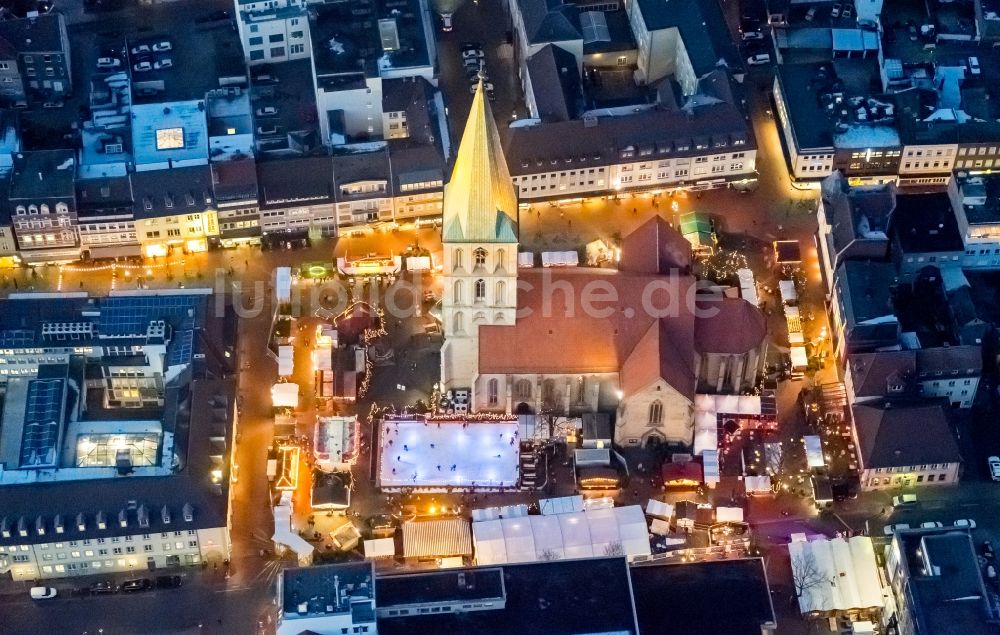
[(480, 202)]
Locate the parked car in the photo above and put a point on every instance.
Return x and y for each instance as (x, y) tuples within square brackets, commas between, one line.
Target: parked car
[(142, 48), (265, 79), (268, 130), (267, 111), (472, 54), (988, 549), (968, 523), (994, 463), (53, 104), (108, 62), (43, 593), (446, 24), (168, 581), (137, 585), (759, 59), (974, 66), (904, 500), (835, 11), (146, 91), (847, 12), (162, 47), (166, 62), (931, 524), (142, 67), (810, 14), (103, 587), (754, 36), (889, 530)]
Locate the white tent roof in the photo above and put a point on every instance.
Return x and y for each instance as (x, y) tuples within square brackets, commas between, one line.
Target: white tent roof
[(380, 548), (561, 505), (710, 466), (285, 363), (548, 537), (748, 288), (847, 568), (659, 527), (659, 508), (525, 259), (285, 395), (729, 514), (284, 533), (595, 532), (488, 539), (799, 358), (757, 483), (814, 451), (787, 290)]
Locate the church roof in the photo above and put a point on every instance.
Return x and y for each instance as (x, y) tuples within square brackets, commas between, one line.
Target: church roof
[(662, 353), (480, 202), (655, 247), (734, 327)]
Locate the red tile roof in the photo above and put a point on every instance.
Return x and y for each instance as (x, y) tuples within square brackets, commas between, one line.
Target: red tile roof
[(655, 247), (736, 327)]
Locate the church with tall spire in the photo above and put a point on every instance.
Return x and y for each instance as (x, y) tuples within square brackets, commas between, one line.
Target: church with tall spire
[(479, 236)]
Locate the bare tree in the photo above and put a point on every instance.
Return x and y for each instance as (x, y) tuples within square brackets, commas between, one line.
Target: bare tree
[(614, 549), (548, 555), (806, 573)]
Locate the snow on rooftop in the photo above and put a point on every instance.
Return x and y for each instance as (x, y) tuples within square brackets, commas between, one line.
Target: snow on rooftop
[(859, 136)]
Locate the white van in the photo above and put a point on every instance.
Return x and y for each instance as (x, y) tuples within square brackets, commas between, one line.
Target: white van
[(42, 593)]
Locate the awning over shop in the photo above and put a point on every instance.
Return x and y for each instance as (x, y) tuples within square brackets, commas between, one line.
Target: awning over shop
[(561, 505), (285, 395), (728, 514), (659, 509), (436, 538), (283, 284), (710, 462)]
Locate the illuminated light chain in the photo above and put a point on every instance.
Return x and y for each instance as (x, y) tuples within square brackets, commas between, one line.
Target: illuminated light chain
[(60, 281)]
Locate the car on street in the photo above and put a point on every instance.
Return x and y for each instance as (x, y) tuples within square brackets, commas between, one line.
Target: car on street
[(108, 62), (142, 48), (470, 46), (968, 523), (903, 500), (889, 530), (988, 549), (142, 67), (472, 54), (53, 104), (931, 524), (162, 47), (759, 59), (166, 62), (753, 36), (994, 463), (168, 581), (103, 587), (488, 87), (43, 593), (137, 585), (267, 111)]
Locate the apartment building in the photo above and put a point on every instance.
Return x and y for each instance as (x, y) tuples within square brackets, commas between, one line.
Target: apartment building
[(108, 487), (273, 31), (42, 199), (34, 60), (174, 209), (975, 201), (106, 218), (903, 444)]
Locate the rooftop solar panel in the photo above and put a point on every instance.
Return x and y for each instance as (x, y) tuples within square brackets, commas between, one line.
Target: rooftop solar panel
[(130, 315), (42, 416), (181, 348)]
